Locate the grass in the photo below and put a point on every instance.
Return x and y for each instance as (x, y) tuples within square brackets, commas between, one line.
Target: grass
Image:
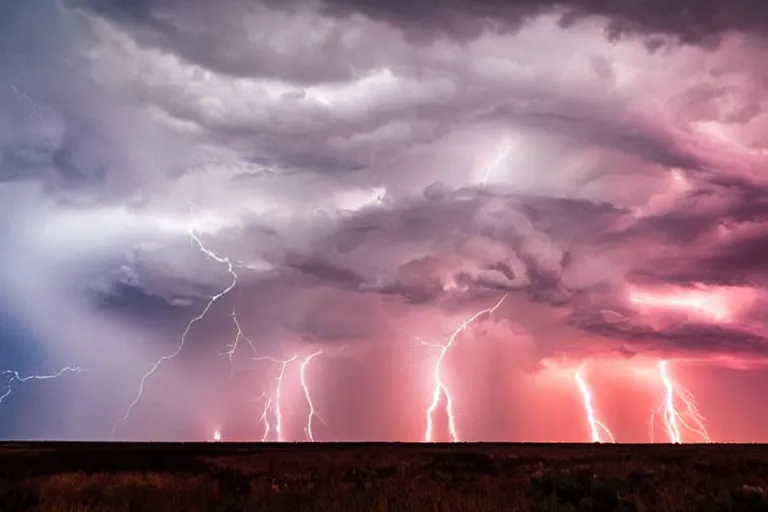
[(345, 478)]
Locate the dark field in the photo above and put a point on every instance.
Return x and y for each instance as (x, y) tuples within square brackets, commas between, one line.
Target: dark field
[(59, 477)]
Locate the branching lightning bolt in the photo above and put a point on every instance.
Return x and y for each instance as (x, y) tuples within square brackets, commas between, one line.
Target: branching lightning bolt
[(183, 338), (595, 425), (272, 405), (675, 421), (232, 347), (272, 402), (14, 376), (440, 389)]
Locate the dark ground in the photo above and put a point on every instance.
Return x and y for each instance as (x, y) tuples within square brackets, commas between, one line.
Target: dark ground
[(213, 477)]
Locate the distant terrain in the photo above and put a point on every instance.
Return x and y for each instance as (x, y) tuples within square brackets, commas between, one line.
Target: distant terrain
[(230, 477)]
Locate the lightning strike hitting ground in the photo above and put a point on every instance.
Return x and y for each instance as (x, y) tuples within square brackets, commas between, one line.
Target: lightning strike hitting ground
[(278, 393), (595, 426), (183, 338), (14, 376), (273, 402), (440, 389), (675, 421), (265, 420), (308, 396)]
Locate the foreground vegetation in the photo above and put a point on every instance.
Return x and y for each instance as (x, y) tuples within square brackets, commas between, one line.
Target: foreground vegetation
[(342, 477)]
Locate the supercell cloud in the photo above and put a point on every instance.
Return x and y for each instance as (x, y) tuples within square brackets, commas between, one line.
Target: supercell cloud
[(361, 178)]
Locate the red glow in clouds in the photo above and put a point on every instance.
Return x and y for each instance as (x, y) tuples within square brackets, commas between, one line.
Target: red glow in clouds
[(711, 304), (717, 304)]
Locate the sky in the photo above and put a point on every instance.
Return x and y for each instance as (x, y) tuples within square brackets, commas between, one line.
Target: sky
[(352, 220)]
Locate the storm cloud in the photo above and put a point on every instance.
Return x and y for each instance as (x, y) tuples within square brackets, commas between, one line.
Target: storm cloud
[(367, 174)]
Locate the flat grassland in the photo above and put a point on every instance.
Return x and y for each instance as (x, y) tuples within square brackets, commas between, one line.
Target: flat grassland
[(371, 477)]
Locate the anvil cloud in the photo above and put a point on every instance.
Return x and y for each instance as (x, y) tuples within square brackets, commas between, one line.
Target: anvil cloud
[(377, 172)]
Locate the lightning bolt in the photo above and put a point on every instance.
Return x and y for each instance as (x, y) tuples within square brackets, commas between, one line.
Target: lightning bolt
[(232, 347), (278, 394), (500, 157), (35, 108), (595, 426), (272, 406), (265, 419), (440, 388), (14, 376), (308, 396), (675, 421), (210, 254), (272, 403)]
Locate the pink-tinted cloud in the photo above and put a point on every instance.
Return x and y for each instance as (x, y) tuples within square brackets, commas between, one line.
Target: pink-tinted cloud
[(374, 175)]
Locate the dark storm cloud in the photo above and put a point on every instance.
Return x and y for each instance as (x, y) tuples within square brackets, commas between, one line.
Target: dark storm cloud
[(59, 126), (368, 183), (715, 235), (601, 125), (737, 263), (185, 27), (514, 247), (691, 20), (489, 242), (570, 218), (328, 323), (296, 132), (192, 30), (325, 273), (692, 338), (126, 296), (710, 205)]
